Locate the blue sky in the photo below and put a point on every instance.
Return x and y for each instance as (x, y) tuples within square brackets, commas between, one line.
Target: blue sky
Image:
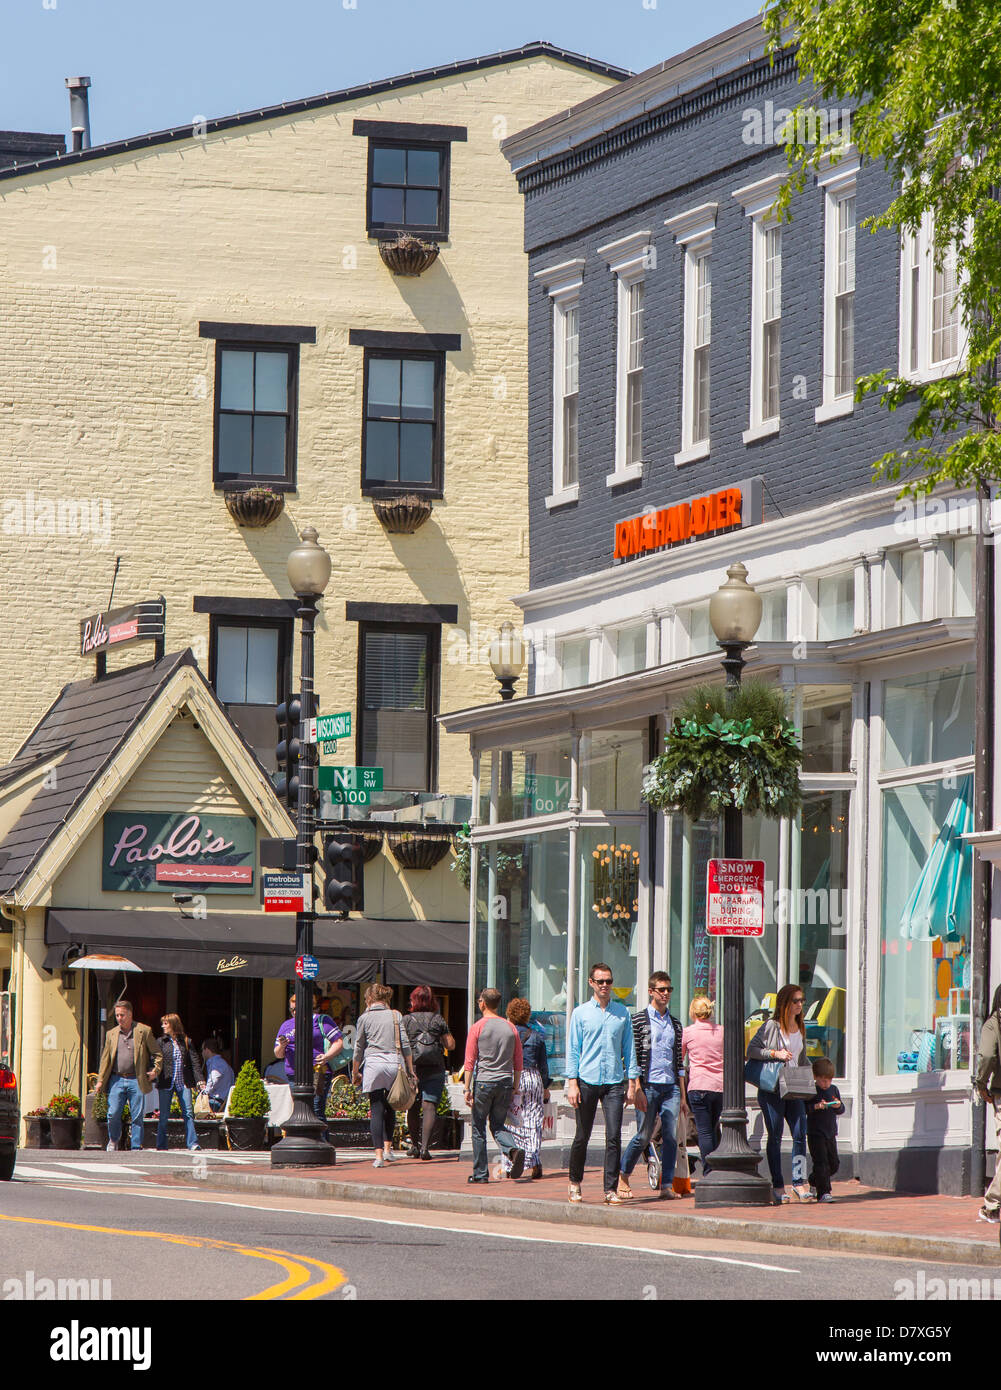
[(157, 63)]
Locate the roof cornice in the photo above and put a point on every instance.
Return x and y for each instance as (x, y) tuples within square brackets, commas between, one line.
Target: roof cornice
[(537, 49)]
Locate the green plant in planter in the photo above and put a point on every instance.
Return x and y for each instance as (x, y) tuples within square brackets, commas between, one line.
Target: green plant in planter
[(462, 863), (64, 1107), (40, 1113), (175, 1106), (250, 1099), (719, 753), (345, 1103), (444, 1106), (99, 1110)]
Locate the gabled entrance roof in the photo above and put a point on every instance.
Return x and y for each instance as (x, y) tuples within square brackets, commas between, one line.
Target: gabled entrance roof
[(87, 746)]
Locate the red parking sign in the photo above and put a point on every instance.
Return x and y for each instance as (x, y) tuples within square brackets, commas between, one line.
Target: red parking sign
[(735, 897)]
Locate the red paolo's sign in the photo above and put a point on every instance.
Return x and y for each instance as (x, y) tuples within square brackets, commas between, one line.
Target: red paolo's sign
[(735, 897)]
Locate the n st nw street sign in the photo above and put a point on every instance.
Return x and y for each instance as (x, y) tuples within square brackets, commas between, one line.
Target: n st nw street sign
[(735, 897), (349, 786)]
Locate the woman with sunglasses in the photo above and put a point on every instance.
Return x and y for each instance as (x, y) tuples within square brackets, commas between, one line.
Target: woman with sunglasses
[(782, 1038)]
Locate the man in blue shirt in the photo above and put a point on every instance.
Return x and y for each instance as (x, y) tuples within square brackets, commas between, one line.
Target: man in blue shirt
[(658, 1051), (601, 1060)]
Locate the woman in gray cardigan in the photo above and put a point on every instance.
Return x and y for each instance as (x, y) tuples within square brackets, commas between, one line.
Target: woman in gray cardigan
[(376, 1062), (782, 1038)]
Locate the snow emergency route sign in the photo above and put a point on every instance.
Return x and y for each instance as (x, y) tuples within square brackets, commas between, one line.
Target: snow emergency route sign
[(735, 897)]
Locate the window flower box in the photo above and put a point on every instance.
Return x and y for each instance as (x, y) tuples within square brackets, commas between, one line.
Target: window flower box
[(402, 514), (408, 255), (418, 849), (254, 506)]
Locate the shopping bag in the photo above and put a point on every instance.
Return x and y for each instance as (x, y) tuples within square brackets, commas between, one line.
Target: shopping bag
[(682, 1181), (549, 1120), (201, 1107), (797, 1083), (516, 1109)]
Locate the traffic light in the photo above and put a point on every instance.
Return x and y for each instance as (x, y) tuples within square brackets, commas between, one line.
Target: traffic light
[(288, 716), (343, 864)]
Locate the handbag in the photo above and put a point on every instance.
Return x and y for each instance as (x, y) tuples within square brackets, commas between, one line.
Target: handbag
[(797, 1083), (403, 1091), (764, 1075)]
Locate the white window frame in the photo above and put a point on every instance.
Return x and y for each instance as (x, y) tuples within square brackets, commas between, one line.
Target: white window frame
[(838, 182), (757, 200), (563, 285), (693, 230), (627, 259), (917, 282)]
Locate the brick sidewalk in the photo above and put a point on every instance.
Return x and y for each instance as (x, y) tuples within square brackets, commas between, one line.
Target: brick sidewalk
[(857, 1208)]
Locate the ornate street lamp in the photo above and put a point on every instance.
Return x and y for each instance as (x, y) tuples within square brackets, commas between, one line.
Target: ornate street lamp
[(734, 1180), (302, 1147), (507, 659)]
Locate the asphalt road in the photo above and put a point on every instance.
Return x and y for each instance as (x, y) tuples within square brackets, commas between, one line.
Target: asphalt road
[(137, 1242)]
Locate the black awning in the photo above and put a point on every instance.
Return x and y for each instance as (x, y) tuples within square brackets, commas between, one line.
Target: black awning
[(260, 946)]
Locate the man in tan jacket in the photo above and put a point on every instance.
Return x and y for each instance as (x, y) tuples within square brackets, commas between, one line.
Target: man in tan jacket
[(130, 1063)]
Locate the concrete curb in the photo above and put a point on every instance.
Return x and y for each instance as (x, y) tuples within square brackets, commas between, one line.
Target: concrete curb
[(944, 1249)]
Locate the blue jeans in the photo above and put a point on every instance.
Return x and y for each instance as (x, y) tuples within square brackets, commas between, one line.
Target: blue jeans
[(779, 1111), (184, 1096), (124, 1089), (491, 1102), (320, 1101), (707, 1106), (663, 1101)]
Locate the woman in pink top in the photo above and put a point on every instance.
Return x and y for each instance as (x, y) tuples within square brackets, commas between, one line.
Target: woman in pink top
[(702, 1043)]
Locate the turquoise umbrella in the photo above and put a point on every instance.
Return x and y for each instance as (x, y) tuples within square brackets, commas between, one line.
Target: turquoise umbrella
[(942, 897)]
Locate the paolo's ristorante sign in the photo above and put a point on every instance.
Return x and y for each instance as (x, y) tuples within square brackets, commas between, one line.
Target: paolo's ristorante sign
[(724, 510), (167, 852), (140, 622)]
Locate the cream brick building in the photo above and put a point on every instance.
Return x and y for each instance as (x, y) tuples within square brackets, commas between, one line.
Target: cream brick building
[(136, 276)]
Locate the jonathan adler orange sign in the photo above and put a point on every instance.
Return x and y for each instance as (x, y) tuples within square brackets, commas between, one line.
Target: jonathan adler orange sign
[(684, 521)]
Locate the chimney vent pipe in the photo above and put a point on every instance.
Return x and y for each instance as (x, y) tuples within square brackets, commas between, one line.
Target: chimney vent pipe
[(79, 111)]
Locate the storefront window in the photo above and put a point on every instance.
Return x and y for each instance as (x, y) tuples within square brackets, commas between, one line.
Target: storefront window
[(926, 897), (928, 718), (695, 958), (611, 768), (774, 608), (630, 650), (819, 920), (608, 869), (574, 662), (521, 929), (827, 728), (533, 780), (836, 606), (701, 637)]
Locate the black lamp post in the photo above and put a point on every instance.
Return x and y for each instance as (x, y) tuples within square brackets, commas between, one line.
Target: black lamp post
[(302, 1147), (734, 1180)]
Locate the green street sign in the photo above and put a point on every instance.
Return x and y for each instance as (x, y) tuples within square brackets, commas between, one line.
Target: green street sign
[(350, 786), (328, 726), (328, 746), (547, 794)]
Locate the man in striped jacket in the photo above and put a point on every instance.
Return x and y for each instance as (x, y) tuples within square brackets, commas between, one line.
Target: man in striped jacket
[(658, 1055)]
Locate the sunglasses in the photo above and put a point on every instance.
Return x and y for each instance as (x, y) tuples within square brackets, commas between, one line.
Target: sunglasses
[(599, 983), (663, 989)]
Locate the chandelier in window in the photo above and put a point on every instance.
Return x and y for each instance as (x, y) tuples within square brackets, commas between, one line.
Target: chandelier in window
[(616, 888)]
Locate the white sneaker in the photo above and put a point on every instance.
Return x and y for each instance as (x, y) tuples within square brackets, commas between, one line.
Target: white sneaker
[(111, 1147), (388, 1156), (378, 1161)]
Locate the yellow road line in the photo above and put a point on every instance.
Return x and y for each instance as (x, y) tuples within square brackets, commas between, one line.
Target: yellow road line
[(295, 1266)]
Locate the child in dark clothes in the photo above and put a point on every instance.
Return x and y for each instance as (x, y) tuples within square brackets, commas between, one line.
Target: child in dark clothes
[(822, 1129)]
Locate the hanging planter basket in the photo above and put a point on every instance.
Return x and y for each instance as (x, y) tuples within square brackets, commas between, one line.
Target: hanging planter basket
[(254, 506), (371, 844), (408, 255), (744, 755), (403, 514), (418, 849)]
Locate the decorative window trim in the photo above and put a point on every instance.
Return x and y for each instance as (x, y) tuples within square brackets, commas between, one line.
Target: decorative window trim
[(693, 231), (757, 200), (628, 260), (838, 181), (921, 247), (563, 285)]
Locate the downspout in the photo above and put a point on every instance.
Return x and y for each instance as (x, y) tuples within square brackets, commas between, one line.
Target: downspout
[(983, 784)]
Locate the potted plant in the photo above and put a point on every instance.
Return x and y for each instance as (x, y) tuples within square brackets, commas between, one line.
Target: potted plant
[(447, 1131), (408, 254), (348, 1116), (65, 1121), (248, 1110), (418, 849), (37, 1127), (254, 506), (728, 750), (510, 868)]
